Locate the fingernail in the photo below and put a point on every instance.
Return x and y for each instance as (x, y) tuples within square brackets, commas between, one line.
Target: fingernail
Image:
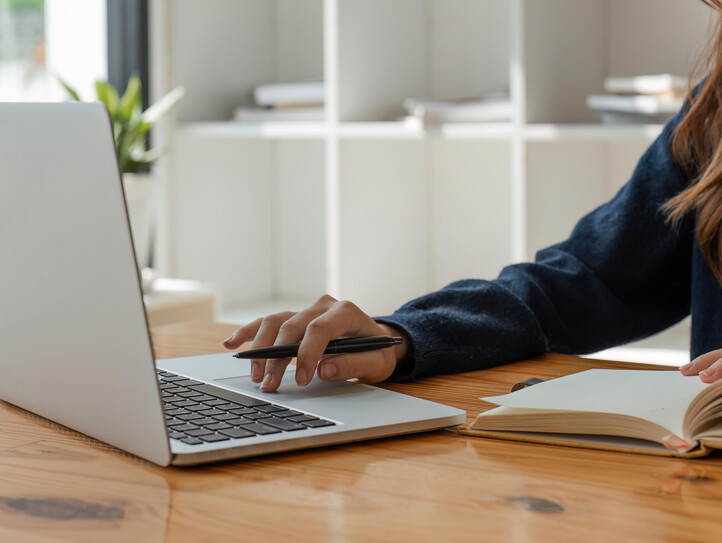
[(673, 442), (686, 366), (301, 377), (266, 381), (229, 339), (327, 371), (255, 372), (709, 372)]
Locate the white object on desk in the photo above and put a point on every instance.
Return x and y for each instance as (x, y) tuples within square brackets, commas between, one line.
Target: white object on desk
[(178, 300)]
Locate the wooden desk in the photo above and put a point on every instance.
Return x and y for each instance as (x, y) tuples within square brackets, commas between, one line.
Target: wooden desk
[(439, 486)]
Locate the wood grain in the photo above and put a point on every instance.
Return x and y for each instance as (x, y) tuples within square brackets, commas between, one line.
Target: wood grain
[(56, 485)]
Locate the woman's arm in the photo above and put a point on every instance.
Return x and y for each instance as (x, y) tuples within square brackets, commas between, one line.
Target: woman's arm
[(623, 274)]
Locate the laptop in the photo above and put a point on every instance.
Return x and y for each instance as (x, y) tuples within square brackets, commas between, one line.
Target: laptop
[(75, 344)]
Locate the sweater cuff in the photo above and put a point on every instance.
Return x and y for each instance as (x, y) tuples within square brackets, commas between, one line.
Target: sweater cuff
[(404, 370)]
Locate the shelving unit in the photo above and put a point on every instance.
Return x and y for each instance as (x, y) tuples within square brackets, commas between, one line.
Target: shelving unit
[(372, 209)]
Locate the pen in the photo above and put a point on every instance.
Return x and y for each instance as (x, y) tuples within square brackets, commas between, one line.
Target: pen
[(336, 346)]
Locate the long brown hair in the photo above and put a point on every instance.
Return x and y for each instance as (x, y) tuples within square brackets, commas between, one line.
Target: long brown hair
[(696, 147)]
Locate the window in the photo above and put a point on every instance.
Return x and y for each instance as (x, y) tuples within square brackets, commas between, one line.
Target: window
[(128, 43), (43, 40)]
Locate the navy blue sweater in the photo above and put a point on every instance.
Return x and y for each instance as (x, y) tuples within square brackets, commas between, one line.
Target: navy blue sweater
[(623, 274)]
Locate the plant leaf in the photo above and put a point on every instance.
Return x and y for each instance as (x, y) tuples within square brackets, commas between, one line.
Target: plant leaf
[(131, 103), (161, 107), (71, 91), (130, 123), (151, 155), (134, 131), (108, 95)]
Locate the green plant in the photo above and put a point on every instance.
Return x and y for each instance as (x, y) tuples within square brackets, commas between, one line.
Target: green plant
[(130, 122)]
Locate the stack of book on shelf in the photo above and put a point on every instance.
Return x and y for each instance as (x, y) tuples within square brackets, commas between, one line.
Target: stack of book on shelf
[(298, 101), (494, 107), (640, 99)]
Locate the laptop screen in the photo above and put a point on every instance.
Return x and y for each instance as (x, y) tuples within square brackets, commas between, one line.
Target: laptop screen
[(75, 345)]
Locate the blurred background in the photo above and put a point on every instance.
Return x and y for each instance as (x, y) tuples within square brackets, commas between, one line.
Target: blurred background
[(372, 149)]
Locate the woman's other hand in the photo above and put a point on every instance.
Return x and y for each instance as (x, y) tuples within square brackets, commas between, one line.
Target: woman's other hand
[(313, 328), (708, 366)]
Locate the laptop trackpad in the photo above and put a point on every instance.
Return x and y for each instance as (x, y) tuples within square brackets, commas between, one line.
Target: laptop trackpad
[(290, 392)]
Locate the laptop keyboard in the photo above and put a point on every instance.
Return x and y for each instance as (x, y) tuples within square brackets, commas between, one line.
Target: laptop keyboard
[(197, 413)]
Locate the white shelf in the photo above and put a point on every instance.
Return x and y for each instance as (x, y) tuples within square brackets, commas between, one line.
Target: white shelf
[(474, 131), (381, 130), (387, 131), (407, 131), (591, 132), (416, 131), (320, 199), (261, 130)]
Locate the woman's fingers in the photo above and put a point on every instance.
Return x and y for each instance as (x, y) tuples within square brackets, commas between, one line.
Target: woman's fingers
[(265, 337), (314, 328), (295, 330), (243, 334), (273, 373), (675, 443), (708, 366), (372, 367), (239, 337), (712, 373), (263, 331), (343, 319)]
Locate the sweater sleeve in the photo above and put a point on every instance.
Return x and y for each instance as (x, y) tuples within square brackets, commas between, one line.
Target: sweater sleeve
[(623, 274)]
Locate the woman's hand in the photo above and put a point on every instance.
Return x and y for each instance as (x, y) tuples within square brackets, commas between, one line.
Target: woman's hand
[(708, 366), (314, 327)]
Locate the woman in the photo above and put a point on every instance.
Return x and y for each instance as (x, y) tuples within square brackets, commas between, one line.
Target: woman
[(631, 268)]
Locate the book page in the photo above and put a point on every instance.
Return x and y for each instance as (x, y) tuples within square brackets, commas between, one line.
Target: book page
[(661, 397), (713, 433), (601, 440)]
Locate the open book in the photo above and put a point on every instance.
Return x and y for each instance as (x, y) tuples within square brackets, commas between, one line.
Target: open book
[(626, 410)]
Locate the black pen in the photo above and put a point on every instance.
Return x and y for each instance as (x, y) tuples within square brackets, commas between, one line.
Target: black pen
[(336, 346)]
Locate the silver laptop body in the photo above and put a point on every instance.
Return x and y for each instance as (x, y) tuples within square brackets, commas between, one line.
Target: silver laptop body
[(75, 346)]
